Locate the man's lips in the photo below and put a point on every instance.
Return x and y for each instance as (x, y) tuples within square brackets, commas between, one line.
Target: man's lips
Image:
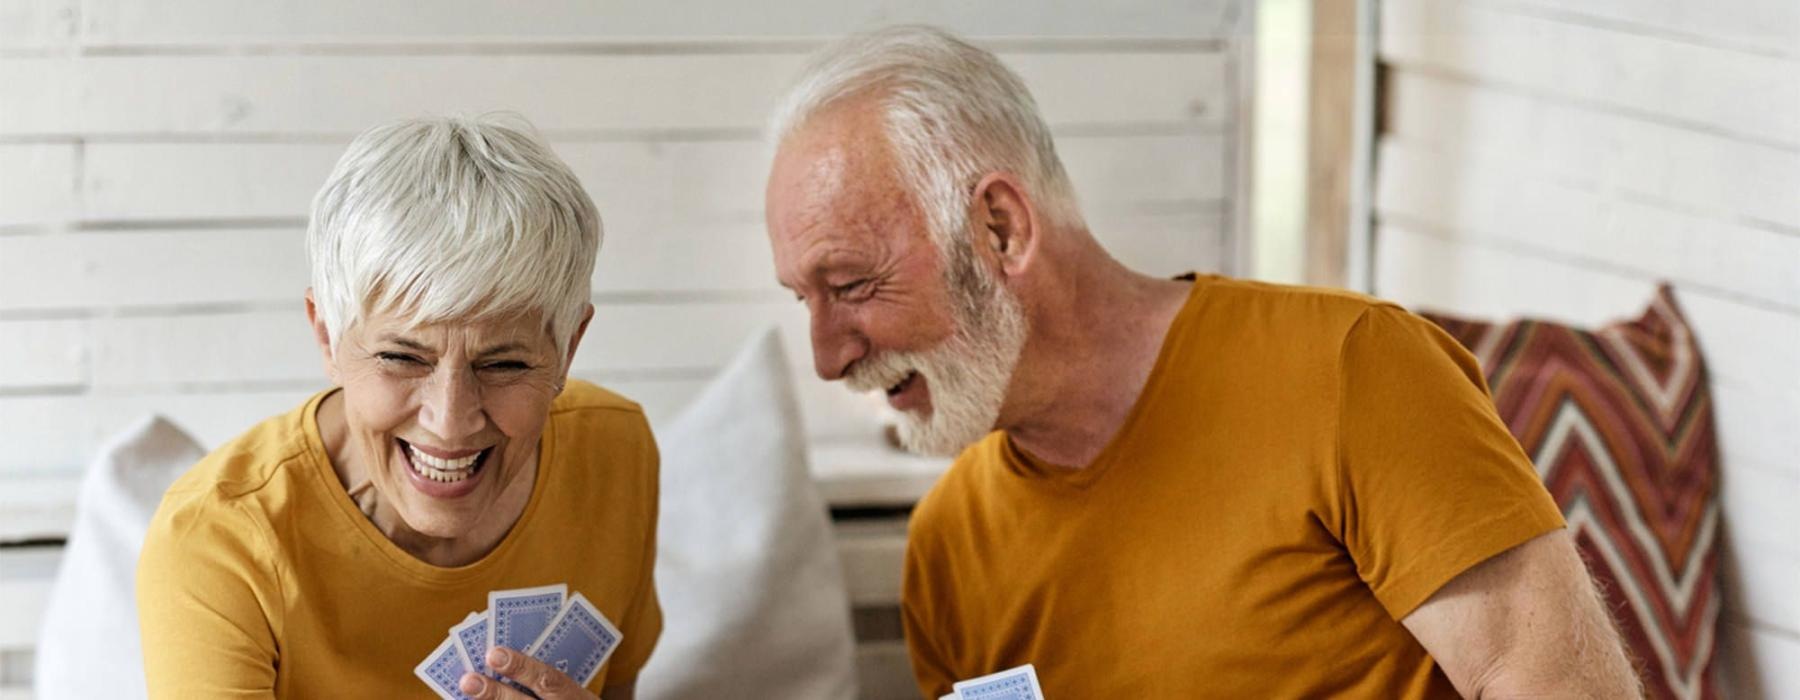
[(904, 382), (909, 394)]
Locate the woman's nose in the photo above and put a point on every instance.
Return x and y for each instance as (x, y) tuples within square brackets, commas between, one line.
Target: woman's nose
[(452, 406)]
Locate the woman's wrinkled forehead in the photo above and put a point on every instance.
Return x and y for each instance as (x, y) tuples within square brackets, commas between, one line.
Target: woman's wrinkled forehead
[(488, 332)]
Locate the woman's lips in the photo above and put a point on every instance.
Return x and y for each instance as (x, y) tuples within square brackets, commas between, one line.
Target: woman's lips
[(443, 489)]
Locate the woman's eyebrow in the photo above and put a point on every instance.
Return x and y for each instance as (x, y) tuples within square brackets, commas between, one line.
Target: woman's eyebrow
[(503, 347), (405, 342)]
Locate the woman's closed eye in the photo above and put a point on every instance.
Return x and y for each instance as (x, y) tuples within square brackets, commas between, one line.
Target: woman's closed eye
[(396, 358)]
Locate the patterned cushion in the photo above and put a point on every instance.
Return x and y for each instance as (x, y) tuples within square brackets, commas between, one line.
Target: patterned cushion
[(1620, 424)]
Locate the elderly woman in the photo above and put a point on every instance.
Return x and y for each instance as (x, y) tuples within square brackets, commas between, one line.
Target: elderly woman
[(328, 552)]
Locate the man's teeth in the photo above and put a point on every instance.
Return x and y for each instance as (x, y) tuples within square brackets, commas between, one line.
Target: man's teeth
[(442, 469)]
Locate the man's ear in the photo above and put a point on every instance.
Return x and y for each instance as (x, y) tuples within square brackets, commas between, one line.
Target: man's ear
[(1005, 223), (321, 335)]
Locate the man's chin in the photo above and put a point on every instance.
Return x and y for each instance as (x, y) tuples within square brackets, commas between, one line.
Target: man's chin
[(920, 437)]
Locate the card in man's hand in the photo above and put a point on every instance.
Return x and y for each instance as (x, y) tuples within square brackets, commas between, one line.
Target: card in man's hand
[(1018, 683)]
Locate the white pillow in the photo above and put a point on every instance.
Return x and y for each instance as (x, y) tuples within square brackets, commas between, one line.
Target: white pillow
[(89, 646), (752, 593)]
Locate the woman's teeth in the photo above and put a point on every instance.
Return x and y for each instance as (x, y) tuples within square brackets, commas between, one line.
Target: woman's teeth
[(443, 470)]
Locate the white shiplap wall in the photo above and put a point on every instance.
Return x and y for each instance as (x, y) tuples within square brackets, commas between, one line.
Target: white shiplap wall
[(1557, 157), (157, 160)]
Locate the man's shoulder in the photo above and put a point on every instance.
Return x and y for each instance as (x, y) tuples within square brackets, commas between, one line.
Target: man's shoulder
[(1317, 307)]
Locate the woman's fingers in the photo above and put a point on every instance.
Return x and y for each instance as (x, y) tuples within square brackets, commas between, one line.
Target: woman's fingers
[(541, 678), (481, 687)]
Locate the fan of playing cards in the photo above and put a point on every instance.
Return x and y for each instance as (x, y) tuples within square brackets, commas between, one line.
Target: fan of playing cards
[(546, 623), (1017, 683)]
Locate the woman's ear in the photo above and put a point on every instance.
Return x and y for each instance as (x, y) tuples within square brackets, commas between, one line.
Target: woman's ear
[(1006, 223), (322, 336), (575, 344)]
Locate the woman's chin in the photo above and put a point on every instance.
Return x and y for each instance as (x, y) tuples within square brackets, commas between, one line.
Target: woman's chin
[(435, 520)]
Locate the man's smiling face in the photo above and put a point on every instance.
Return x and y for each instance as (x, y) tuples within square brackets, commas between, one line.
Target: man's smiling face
[(853, 244)]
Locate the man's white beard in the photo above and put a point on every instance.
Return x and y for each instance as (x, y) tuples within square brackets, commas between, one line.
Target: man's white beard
[(967, 374)]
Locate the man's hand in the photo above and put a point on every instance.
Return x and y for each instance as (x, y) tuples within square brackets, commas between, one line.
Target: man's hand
[(1526, 623), (547, 682)]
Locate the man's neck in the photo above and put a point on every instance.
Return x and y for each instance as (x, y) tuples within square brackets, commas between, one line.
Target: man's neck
[(1090, 356)]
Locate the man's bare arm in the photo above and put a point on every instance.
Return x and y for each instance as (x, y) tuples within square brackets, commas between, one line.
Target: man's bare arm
[(1526, 623)]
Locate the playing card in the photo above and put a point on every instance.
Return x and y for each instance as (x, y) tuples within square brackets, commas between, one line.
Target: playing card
[(578, 641), (443, 669), (1018, 683), (471, 637), (519, 616)]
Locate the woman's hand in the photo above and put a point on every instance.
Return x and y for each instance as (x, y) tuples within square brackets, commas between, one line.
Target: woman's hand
[(547, 682)]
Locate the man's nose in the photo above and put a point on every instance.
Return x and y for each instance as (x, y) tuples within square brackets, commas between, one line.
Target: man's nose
[(451, 408), (836, 344)]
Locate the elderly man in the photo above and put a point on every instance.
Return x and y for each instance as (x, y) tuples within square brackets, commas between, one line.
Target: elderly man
[(1200, 487)]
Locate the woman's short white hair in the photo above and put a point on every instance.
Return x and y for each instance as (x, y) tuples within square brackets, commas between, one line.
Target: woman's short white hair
[(452, 219), (953, 114)]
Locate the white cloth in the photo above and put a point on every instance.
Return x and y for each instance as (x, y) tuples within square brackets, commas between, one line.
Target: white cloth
[(89, 645), (752, 592)]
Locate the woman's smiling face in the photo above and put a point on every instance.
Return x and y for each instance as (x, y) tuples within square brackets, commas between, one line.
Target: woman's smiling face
[(444, 417)]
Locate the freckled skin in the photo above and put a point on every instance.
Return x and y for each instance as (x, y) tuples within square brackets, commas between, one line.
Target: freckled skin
[(449, 396), (848, 239)]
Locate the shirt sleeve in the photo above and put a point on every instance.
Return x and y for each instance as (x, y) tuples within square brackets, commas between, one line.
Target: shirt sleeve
[(643, 621), (204, 587), (1430, 482), (931, 667)]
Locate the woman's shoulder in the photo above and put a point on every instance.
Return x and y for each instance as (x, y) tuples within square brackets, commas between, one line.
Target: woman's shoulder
[(244, 465), (580, 396)]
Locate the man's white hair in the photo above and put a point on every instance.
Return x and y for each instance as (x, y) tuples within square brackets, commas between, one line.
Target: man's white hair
[(953, 113), (452, 219)]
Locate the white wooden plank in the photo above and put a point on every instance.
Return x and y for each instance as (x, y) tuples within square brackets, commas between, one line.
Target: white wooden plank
[(132, 181), (1496, 200), (1759, 662), (1764, 26), (1715, 176), (151, 268), (656, 91), (38, 181), (336, 21), (24, 589), (1434, 271), (1759, 585), (1744, 93), (37, 506), (199, 180), (37, 24), (1758, 507), (63, 431), (43, 354), (1756, 425), (1424, 271)]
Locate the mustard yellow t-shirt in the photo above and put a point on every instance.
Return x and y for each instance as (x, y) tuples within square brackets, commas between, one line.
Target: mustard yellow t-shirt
[(1302, 470), (261, 578)]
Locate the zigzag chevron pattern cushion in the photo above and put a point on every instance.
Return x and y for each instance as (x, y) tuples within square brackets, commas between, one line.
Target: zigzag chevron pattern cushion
[(1619, 422)]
